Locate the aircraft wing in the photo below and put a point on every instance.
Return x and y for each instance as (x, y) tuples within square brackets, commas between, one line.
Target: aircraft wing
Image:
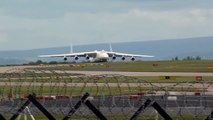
[(80, 54), (117, 54)]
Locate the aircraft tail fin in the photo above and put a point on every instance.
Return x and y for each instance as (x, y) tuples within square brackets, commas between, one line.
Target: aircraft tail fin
[(110, 47), (71, 48)]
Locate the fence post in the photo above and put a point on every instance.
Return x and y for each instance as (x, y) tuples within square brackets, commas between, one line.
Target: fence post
[(142, 108), (161, 111), (95, 111), (20, 110), (2, 117), (40, 107), (77, 105)]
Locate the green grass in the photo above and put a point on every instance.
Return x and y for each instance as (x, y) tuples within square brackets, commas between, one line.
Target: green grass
[(62, 77), (144, 66), (176, 79), (93, 91)]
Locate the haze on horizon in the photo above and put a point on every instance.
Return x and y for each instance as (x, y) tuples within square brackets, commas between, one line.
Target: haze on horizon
[(28, 24)]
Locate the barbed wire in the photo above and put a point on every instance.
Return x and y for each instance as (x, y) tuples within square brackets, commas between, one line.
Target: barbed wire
[(116, 96)]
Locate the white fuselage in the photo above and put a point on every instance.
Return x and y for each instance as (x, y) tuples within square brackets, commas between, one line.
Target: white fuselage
[(101, 56)]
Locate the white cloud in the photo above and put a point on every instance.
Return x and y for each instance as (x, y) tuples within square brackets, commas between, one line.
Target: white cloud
[(3, 37), (93, 26), (164, 24)]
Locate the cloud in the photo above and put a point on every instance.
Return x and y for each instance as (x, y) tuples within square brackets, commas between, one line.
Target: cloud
[(148, 24), (64, 23), (139, 24), (3, 37)]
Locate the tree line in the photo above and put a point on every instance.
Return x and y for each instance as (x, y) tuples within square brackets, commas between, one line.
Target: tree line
[(188, 58), (39, 62)]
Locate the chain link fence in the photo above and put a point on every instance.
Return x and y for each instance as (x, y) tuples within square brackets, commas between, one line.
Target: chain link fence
[(114, 96)]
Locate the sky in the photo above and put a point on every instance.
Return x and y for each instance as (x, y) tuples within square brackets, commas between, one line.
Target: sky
[(31, 24)]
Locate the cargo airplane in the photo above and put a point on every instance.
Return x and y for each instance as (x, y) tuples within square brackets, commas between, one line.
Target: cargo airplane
[(97, 56)]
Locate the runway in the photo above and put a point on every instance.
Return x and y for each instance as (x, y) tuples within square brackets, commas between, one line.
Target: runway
[(4, 69)]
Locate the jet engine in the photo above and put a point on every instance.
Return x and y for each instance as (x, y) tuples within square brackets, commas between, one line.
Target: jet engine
[(65, 58), (76, 58), (133, 59), (87, 57), (123, 58), (113, 57)]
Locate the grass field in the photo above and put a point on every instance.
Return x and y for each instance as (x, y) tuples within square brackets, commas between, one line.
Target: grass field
[(62, 77), (157, 66), (144, 66)]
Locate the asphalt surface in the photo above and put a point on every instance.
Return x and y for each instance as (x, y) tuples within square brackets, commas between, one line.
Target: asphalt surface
[(4, 69)]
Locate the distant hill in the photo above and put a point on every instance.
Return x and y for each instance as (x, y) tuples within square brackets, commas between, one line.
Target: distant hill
[(161, 49)]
